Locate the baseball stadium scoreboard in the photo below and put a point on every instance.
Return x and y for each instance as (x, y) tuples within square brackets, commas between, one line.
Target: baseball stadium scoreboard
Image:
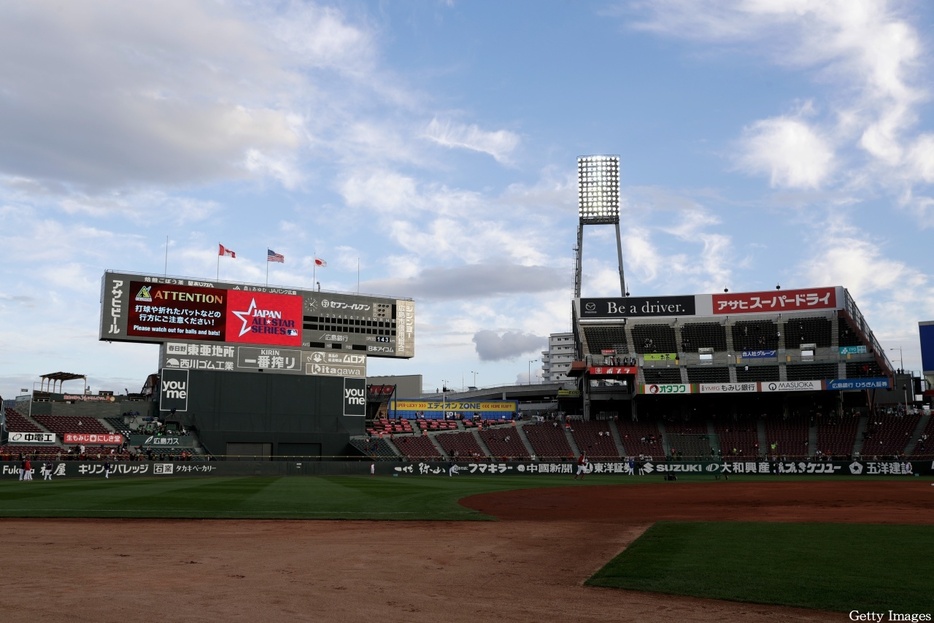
[(217, 326)]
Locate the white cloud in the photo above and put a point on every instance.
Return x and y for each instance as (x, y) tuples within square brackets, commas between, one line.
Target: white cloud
[(499, 143), (864, 49), (175, 92), (493, 346), (322, 37), (792, 153), (921, 158)]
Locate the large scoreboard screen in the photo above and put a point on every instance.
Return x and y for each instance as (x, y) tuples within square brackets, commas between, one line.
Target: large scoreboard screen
[(158, 309)]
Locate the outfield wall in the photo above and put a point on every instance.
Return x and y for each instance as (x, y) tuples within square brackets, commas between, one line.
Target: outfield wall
[(289, 415), (9, 470)]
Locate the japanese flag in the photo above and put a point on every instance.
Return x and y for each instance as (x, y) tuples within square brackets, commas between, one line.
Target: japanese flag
[(320, 262)]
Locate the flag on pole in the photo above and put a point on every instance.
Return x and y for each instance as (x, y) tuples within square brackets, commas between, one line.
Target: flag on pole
[(223, 251), (320, 262), (272, 256)]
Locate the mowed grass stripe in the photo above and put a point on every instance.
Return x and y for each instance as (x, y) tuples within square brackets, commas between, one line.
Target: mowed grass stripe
[(335, 497), (838, 567)]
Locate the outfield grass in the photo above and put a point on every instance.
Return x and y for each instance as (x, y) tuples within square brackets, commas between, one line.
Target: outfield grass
[(253, 497), (288, 497), (840, 567)]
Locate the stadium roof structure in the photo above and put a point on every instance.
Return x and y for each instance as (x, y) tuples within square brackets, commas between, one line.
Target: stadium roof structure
[(802, 340), (50, 380)]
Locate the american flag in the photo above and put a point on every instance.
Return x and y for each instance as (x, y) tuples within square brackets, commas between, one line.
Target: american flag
[(272, 256)]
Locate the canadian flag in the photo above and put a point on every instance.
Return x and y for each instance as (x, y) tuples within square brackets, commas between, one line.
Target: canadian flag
[(320, 262), (222, 251)]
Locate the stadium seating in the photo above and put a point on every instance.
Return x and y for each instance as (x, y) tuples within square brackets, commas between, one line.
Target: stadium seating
[(386, 426), (755, 335), (846, 335), (435, 425), (462, 444), (119, 426), (709, 374), (12, 452), (595, 438), (662, 375), (863, 369), (548, 440), (812, 371), (752, 373), (417, 448), (504, 442), (19, 423), (924, 445), (836, 436), (817, 331), (791, 436), (640, 438), (740, 438), (600, 339), (654, 338), (61, 424), (688, 440), (889, 435), (696, 335)]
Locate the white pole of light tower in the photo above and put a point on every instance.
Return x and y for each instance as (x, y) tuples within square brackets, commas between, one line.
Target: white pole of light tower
[(901, 358), (901, 363), (444, 399), (531, 361)]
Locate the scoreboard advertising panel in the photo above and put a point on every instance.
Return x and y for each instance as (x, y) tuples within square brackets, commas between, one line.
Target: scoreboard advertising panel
[(154, 309), (170, 312)]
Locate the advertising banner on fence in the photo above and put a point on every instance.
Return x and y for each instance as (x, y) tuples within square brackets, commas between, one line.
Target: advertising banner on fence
[(727, 388), (700, 468), (792, 386), (878, 383), (697, 471), (355, 397), (670, 389), (93, 439), (173, 390), (33, 438), (164, 441), (499, 406)]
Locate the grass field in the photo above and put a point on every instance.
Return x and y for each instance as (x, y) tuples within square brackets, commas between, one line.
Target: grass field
[(250, 497), (823, 566)]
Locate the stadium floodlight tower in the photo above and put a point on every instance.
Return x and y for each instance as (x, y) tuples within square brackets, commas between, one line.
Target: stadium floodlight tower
[(597, 204)]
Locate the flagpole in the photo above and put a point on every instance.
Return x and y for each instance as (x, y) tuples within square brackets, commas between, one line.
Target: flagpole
[(218, 278), (358, 275), (166, 268), (267, 267)]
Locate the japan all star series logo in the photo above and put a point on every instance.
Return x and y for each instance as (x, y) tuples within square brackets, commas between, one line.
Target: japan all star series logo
[(255, 320)]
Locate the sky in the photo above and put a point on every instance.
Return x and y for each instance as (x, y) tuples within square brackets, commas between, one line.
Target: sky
[(428, 150)]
